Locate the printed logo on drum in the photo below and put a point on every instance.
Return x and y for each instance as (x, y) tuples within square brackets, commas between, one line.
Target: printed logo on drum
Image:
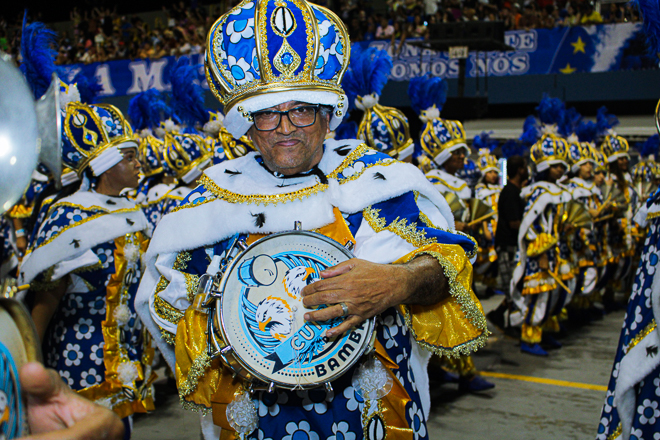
[(271, 306)]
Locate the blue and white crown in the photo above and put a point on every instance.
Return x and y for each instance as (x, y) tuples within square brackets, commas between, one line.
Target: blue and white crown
[(185, 156), (549, 150), (614, 147), (579, 153), (91, 130), (149, 152), (267, 52)]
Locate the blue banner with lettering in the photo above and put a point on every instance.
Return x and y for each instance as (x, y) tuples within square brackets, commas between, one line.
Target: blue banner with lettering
[(565, 50)]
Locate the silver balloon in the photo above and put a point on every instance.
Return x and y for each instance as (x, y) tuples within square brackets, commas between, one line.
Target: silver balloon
[(19, 149)]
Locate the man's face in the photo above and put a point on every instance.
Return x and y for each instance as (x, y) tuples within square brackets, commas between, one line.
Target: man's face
[(455, 162), (289, 149), (126, 174)]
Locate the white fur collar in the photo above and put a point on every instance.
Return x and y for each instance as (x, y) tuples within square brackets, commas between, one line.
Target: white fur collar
[(451, 182), (121, 217), (241, 203)]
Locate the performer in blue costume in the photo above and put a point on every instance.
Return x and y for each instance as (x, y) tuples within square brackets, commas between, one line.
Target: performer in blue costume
[(633, 394), (85, 267), (276, 66)]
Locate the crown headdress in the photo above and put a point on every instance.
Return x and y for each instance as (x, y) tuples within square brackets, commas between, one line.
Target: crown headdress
[(485, 146), (267, 52), (90, 133), (613, 146), (185, 156), (439, 137)]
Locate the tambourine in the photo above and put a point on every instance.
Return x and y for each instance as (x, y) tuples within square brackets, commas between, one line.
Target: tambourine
[(257, 325), (18, 346)]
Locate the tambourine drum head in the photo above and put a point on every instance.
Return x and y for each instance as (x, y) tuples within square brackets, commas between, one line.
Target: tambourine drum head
[(17, 347), (262, 315)]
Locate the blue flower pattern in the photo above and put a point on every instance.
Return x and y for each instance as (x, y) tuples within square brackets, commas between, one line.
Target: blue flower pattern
[(638, 317)]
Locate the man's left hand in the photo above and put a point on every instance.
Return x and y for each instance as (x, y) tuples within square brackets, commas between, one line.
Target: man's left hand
[(366, 288)]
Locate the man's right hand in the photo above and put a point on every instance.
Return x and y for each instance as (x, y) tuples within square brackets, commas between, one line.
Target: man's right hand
[(56, 412)]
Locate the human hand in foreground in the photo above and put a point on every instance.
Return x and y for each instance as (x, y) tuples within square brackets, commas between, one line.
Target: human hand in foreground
[(56, 412), (368, 289)]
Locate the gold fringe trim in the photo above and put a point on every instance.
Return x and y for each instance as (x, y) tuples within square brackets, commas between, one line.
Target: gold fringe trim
[(192, 283), (195, 407), (468, 307), (181, 262), (616, 433), (652, 215), (168, 337), (409, 232), (197, 370), (382, 162), (641, 335), (166, 311)]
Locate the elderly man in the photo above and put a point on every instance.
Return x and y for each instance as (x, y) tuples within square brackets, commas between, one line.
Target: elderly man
[(278, 78)]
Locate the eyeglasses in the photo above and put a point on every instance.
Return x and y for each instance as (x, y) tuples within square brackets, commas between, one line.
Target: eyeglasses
[(301, 117)]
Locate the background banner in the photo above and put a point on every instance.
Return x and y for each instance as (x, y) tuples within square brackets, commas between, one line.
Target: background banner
[(566, 50)]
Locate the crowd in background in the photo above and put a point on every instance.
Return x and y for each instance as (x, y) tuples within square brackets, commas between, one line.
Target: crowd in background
[(102, 34)]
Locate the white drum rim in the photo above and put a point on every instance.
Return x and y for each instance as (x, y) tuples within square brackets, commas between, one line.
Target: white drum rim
[(217, 315)]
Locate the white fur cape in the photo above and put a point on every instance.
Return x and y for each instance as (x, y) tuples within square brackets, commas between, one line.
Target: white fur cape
[(121, 217)]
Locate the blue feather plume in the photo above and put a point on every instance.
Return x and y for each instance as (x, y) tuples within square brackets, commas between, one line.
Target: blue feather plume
[(605, 121), (512, 148), (148, 109), (569, 123), (89, 88), (367, 73), (187, 95), (38, 53), (587, 131), (427, 90), (346, 130), (484, 140), (650, 12), (550, 110), (531, 131), (650, 147)]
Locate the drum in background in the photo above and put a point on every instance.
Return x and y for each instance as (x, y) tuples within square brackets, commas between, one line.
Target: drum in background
[(18, 345), (258, 326)]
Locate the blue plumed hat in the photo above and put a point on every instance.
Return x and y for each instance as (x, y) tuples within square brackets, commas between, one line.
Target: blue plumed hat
[(383, 128), (612, 146), (439, 137)]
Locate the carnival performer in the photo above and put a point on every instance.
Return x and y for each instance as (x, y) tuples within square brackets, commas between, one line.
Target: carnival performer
[(487, 190), (382, 128), (443, 142), (536, 282), (632, 391), (583, 245), (85, 267), (287, 99), (621, 194)]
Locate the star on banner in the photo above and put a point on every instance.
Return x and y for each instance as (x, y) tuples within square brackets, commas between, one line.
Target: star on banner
[(578, 46), (568, 69)]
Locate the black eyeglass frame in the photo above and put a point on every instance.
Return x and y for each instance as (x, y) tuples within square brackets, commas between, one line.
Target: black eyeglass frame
[(316, 108)]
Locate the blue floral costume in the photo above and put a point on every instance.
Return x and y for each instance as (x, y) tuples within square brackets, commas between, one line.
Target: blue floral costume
[(95, 339), (386, 222), (631, 409)]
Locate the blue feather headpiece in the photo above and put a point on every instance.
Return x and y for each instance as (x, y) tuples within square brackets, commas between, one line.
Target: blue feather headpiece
[(650, 147), (531, 131), (38, 53), (426, 91), (512, 148), (550, 110), (187, 95), (605, 121), (367, 73), (484, 140), (587, 131), (569, 123), (148, 109)]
